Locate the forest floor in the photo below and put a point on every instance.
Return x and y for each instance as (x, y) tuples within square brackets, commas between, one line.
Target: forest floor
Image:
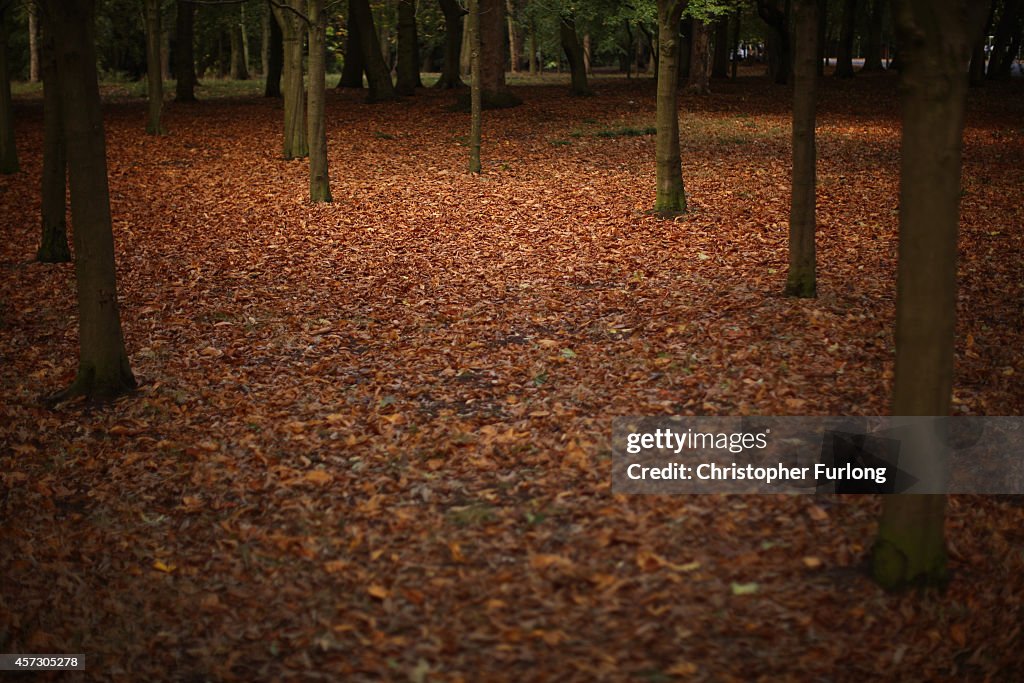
[(372, 439)]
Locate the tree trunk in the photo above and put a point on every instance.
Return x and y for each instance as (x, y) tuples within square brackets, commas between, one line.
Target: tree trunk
[(465, 63), (245, 39), (165, 52), (1000, 61), (977, 68), (408, 65), (720, 67), (671, 194), (378, 75), (319, 179), (239, 68), (699, 82), (573, 54), (352, 71), (873, 52), (265, 41), (801, 280), (495, 92), (534, 67), (450, 77), (295, 145), (103, 368), (8, 150), (475, 88), (587, 61), (33, 41), (275, 56), (777, 18), (935, 41), (822, 36), (736, 43), (53, 246), (154, 73), (513, 36), (844, 58), (184, 58)]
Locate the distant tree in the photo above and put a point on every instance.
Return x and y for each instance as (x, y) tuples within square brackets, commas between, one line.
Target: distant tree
[(8, 150), (573, 53), (844, 58), (184, 55), (154, 73), (275, 56), (475, 88), (935, 42), (873, 47), (378, 75), (775, 13), (801, 280), (408, 62), (33, 41), (1006, 43), (495, 92), (319, 179), (354, 66), (103, 368), (977, 68), (453, 14), (699, 81), (239, 65), (289, 17), (53, 244), (671, 194)]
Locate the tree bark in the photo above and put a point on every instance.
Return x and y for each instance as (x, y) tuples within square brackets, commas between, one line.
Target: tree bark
[(534, 66), (352, 71), (154, 72), (450, 71), (873, 50), (935, 40), (801, 280), (977, 68), (513, 36), (408, 65), (495, 92), (736, 42), (53, 245), (378, 75), (720, 63), (103, 368), (184, 57), (275, 56), (295, 145), (239, 68), (33, 41), (265, 21), (8, 150), (1000, 61), (844, 58), (475, 88), (699, 82), (319, 178), (777, 18), (671, 194), (465, 65), (573, 54)]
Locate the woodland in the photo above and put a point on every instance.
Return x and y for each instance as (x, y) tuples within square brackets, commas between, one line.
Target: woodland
[(315, 316)]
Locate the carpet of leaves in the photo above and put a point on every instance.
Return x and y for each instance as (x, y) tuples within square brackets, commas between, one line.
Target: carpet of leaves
[(372, 438)]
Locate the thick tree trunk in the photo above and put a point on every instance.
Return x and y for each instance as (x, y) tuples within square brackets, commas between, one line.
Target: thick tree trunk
[(8, 150), (103, 368), (671, 194), (475, 88), (513, 36), (352, 71), (53, 245), (154, 72), (450, 76), (184, 58), (699, 82), (873, 50), (492, 56), (775, 13), (844, 58), (378, 75), (319, 179), (275, 56), (720, 66), (935, 41), (801, 280), (295, 145), (573, 54), (408, 65), (33, 41), (239, 68)]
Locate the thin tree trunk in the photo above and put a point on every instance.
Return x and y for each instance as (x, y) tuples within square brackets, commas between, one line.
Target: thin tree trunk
[(245, 39), (801, 280), (408, 65), (33, 41), (352, 71), (154, 72), (319, 178), (275, 56), (239, 69), (720, 67), (699, 82), (165, 52), (475, 88), (573, 54), (8, 149), (534, 67), (103, 368), (1001, 59), (465, 65), (295, 145), (736, 43), (873, 52), (265, 21), (378, 75), (671, 194), (53, 245), (935, 41), (513, 36), (450, 76), (977, 68), (184, 58), (844, 59)]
